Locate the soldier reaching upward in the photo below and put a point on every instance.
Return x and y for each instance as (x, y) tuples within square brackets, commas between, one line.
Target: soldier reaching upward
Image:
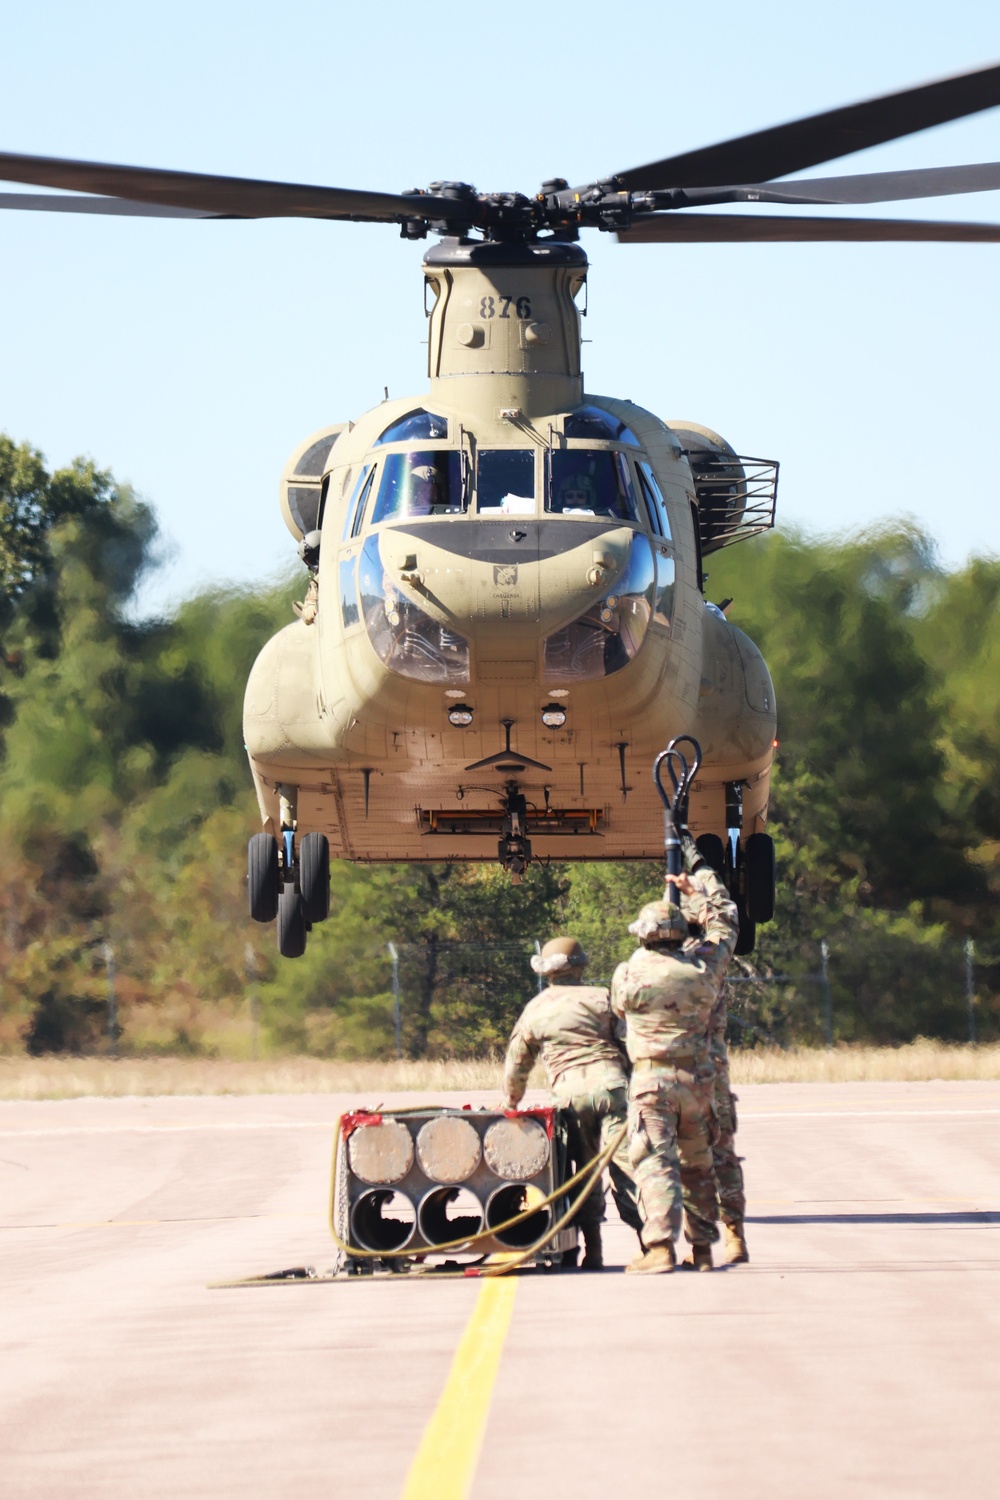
[(571, 1025), (667, 992), (725, 1161)]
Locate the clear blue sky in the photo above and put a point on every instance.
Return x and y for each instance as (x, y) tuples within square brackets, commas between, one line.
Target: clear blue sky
[(191, 357)]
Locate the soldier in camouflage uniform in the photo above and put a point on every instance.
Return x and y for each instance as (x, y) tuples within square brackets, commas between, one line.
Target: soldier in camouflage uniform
[(667, 992), (725, 1161), (571, 1025), (728, 1168)]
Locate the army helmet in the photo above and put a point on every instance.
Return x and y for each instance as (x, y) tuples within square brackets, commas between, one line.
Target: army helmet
[(660, 922), (559, 954)]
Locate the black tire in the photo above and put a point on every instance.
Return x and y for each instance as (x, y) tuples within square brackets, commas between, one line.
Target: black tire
[(760, 877), (262, 877), (291, 923), (314, 876), (713, 851), (747, 939)]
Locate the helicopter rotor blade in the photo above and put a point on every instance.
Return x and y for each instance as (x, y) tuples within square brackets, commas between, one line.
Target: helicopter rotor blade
[(866, 187), (766, 154), (706, 229), (64, 203), (221, 197)]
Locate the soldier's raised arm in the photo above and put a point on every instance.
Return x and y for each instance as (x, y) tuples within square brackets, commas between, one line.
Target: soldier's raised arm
[(705, 900), (522, 1050)]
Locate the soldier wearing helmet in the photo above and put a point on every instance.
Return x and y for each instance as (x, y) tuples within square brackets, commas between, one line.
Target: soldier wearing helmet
[(667, 992), (571, 1026)]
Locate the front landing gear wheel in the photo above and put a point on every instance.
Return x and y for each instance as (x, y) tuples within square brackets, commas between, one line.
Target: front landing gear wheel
[(291, 923), (262, 877), (314, 876)]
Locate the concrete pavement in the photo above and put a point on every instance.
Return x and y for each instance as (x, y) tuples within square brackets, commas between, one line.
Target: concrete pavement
[(858, 1351)]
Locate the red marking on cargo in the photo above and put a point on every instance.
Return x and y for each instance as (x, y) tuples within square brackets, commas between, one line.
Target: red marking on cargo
[(543, 1112), (350, 1123)]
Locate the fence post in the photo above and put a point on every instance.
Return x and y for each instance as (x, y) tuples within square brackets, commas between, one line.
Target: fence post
[(824, 970), (397, 1016), (970, 987), (109, 960), (250, 960)]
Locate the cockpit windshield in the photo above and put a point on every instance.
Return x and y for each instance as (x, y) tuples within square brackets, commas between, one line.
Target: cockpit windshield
[(591, 482), (421, 482), (505, 481)]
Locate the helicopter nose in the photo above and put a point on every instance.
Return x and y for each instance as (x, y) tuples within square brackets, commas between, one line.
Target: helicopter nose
[(590, 597)]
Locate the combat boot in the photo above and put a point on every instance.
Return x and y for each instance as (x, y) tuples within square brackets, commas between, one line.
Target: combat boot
[(593, 1251), (658, 1260), (700, 1258), (737, 1253)]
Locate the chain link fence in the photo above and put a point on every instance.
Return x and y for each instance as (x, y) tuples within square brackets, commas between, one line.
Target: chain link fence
[(460, 999)]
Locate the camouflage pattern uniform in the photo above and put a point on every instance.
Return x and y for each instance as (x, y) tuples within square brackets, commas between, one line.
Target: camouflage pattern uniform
[(572, 1027), (728, 1170), (667, 997)]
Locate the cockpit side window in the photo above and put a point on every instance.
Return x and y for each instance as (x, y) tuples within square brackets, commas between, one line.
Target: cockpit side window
[(352, 505), (421, 482), (505, 481), (362, 505), (654, 500), (590, 482), (415, 424)]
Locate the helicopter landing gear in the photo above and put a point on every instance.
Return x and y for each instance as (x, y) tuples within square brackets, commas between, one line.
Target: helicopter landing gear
[(263, 880), (514, 847), (760, 877), (314, 877), (289, 881)]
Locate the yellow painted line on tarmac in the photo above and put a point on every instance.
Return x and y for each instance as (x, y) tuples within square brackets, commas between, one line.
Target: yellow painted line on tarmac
[(445, 1462)]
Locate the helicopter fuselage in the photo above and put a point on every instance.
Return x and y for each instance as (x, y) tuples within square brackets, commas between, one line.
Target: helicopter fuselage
[(509, 596)]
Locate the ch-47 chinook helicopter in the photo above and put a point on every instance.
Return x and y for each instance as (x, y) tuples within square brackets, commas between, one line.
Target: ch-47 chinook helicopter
[(506, 617)]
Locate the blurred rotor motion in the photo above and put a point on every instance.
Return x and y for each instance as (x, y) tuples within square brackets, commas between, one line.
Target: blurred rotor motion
[(639, 205)]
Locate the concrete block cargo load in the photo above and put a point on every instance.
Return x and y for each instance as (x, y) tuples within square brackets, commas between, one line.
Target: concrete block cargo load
[(412, 1186)]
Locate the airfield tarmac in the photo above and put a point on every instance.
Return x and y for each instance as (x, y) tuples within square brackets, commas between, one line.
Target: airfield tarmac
[(858, 1353)]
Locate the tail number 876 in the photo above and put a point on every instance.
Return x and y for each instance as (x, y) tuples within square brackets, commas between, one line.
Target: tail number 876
[(499, 307)]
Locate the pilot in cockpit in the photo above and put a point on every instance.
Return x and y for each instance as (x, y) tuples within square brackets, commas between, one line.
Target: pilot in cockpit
[(576, 495), (425, 493)]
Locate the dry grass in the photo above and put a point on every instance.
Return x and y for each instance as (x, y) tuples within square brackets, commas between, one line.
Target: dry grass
[(916, 1062), (67, 1078), (74, 1077)]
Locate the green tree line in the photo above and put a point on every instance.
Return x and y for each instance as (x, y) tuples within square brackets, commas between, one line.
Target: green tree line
[(125, 804)]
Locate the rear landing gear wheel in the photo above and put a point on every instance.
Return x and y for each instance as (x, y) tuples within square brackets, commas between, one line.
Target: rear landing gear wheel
[(291, 923), (747, 939), (262, 877), (314, 877), (759, 862)]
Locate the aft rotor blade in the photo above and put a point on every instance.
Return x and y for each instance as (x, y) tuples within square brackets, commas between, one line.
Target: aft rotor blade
[(230, 197), (809, 142), (705, 229), (874, 187)]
